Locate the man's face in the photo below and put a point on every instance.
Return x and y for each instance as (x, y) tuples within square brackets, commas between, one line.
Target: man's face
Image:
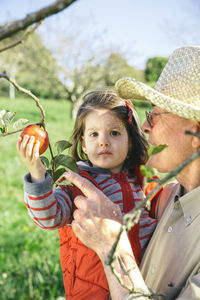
[(169, 129)]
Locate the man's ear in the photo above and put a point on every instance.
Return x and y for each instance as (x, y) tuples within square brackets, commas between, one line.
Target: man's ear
[(196, 140), (83, 144)]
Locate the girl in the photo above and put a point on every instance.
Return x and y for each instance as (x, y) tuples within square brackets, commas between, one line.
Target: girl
[(109, 147)]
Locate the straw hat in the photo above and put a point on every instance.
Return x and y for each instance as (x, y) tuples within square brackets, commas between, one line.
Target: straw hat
[(177, 89)]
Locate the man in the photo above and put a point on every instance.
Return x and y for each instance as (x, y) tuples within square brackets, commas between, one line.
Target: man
[(171, 263)]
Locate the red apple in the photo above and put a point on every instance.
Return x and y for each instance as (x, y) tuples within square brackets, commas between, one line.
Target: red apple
[(39, 134)]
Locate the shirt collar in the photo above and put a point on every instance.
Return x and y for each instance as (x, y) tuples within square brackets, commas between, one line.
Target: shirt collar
[(190, 204)]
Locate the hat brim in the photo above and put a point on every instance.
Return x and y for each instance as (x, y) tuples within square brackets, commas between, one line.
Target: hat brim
[(129, 88)]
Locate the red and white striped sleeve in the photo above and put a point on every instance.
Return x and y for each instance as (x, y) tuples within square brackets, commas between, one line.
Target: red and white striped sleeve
[(48, 208)]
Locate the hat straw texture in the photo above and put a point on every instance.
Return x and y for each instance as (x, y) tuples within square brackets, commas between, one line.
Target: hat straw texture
[(177, 89)]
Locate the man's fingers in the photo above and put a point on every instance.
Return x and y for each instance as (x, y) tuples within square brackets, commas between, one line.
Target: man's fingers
[(97, 202), (80, 232), (81, 202), (87, 188)]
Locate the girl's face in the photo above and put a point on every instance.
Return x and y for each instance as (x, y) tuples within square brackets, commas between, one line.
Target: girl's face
[(105, 140)]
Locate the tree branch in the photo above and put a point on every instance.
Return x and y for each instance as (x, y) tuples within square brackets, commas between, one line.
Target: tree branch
[(23, 90), (11, 132), (22, 38), (35, 17)]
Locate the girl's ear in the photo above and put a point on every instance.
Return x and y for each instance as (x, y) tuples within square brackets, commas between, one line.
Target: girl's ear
[(83, 144), (196, 140)]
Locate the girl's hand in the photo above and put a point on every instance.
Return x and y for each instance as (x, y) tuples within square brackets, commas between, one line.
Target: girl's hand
[(29, 153)]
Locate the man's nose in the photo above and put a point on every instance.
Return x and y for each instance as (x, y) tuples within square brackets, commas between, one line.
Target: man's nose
[(146, 127)]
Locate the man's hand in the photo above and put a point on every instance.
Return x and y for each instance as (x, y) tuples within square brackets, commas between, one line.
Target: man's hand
[(97, 220)]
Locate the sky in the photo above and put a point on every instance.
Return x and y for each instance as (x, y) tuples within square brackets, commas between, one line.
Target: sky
[(142, 28)]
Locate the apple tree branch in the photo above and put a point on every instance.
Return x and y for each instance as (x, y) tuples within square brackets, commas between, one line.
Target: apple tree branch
[(35, 17)]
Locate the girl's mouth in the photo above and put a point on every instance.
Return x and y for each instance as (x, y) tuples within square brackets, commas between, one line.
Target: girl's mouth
[(104, 152)]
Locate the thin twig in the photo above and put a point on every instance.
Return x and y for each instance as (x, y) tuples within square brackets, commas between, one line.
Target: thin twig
[(11, 132), (110, 257), (22, 38), (28, 93), (37, 101)]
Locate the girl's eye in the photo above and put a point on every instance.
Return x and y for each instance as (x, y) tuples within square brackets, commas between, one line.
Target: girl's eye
[(94, 134), (114, 133)]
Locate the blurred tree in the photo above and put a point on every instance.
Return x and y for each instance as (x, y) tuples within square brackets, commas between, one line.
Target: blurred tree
[(154, 67), (93, 74), (85, 64), (80, 80), (116, 66), (32, 65)]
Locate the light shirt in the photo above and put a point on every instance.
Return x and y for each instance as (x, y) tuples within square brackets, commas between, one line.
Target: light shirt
[(171, 264)]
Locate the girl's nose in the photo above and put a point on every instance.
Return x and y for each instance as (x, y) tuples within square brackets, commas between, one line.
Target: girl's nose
[(104, 141)]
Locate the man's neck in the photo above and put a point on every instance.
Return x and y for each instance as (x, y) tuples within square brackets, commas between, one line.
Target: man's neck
[(189, 177)]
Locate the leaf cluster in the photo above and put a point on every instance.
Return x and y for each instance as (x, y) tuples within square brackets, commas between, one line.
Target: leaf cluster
[(60, 163), (7, 118), (147, 171)]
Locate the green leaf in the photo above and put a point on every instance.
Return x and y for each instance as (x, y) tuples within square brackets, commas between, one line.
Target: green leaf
[(66, 161), (156, 149), (147, 171), (2, 113), (20, 123), (3, 129), (8, 117), (62, 145), (45, 161), (58, 173), (64, 182), (50, 172)]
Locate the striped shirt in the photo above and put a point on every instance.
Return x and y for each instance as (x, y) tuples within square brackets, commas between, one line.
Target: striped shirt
[(51, 209)]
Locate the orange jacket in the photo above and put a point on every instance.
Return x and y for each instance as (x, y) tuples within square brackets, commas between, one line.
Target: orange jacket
[(83, 274)]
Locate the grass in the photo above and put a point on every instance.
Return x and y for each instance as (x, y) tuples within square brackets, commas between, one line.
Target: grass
[(29, 257)]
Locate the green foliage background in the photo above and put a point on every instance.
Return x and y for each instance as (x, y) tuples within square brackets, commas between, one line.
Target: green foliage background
[(154, 67), (33, 67), (29, 257)]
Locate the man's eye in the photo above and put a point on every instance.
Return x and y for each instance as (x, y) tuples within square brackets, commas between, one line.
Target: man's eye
[(94, 134), (114, 133)]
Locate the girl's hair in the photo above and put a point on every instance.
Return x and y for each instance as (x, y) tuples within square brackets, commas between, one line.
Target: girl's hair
[(125, 111)]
